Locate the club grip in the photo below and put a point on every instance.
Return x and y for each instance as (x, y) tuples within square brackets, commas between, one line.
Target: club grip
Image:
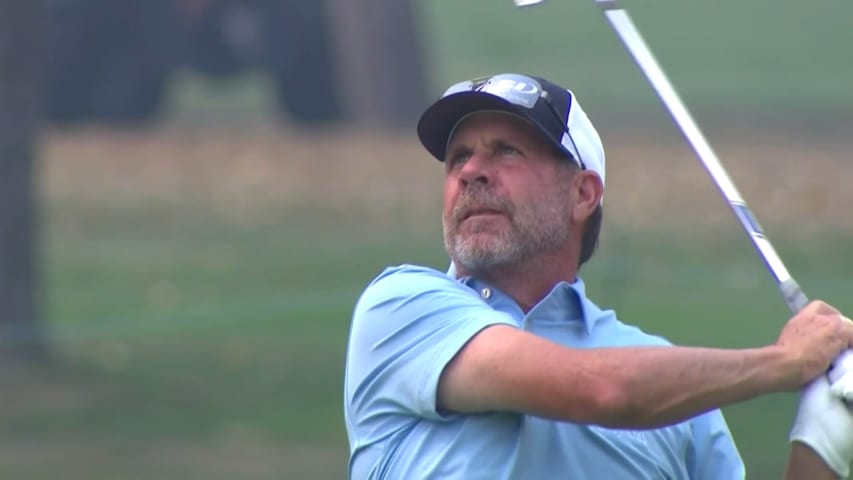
[(794, 296)]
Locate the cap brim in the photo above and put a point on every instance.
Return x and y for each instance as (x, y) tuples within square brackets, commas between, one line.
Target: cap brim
[(439, 120)]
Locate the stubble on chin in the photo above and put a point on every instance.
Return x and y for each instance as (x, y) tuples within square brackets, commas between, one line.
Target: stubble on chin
[(527, 230), (480, 245), (476, 246)]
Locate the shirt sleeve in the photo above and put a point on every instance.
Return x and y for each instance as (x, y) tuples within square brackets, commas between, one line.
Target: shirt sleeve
[(713, 454), (407, 325)]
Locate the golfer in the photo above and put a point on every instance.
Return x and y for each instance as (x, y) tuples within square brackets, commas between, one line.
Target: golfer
[(503, 368)]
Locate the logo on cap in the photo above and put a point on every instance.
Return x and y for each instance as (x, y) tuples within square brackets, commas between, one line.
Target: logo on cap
[(516, 89)]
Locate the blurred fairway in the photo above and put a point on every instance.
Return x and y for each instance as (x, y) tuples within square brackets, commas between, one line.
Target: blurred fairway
[(199, 287), (199, 281), (762, 63), (724, 56)]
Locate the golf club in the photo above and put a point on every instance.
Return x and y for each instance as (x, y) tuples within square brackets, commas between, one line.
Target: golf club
[(526, 3), (621, 22)]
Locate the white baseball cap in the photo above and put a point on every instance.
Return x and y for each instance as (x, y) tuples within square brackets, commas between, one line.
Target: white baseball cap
[(552, 109)]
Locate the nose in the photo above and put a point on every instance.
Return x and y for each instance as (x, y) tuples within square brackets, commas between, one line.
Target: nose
[(475, 170)]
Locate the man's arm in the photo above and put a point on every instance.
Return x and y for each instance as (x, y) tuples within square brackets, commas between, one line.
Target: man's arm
[(506, 369), (804, 463)]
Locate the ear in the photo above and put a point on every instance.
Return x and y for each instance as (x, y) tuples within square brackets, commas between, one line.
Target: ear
[(588, 193)]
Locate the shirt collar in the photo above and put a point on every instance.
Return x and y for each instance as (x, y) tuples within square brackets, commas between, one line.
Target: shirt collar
[(567, 298)]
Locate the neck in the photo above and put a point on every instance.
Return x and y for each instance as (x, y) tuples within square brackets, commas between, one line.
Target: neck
[(528, 282)]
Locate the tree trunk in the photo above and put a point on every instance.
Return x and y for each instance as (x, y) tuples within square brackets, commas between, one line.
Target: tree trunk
[(380, 61), (22, 34)]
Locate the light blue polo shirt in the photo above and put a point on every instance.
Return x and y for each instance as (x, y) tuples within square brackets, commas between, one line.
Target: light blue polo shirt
[(410, 322)]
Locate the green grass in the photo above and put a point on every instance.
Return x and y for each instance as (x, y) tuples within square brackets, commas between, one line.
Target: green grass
[(213, 339), (183, 334), (193, 347), (776, 56), (752, 63)]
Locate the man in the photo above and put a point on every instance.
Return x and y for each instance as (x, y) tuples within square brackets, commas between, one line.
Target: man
[(502, 368)]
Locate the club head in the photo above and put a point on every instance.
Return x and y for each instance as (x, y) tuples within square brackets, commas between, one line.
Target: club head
[(527, 3)]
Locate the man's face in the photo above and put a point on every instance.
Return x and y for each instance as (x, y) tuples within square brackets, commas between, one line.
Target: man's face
[(507, 196)]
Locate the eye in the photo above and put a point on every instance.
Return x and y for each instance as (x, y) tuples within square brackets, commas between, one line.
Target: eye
[(457, 158), (506, 150)]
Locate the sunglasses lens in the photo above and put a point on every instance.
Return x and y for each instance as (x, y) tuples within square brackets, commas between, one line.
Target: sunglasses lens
[(465, 86), (516, 89)]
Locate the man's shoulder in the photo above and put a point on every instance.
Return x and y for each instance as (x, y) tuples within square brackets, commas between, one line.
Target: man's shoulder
[(628, 334), (409, 271), (407, 280), (644, 337), (422, 298), (410, 277)]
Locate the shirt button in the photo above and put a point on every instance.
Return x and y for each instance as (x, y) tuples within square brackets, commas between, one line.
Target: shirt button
[(486, 293)]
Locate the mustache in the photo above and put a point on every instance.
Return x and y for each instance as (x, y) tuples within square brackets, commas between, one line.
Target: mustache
[(479, 199)]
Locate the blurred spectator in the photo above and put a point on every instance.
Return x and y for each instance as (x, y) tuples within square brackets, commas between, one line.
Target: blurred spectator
[(111, 60)]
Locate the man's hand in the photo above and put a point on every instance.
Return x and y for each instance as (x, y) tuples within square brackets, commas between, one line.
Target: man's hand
[(815, 337), (825, 424)]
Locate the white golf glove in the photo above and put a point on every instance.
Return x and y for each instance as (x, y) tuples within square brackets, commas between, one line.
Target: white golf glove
[(841, 376), (825, 424)]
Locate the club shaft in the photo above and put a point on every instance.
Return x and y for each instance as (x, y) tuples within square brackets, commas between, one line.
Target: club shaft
[(636, 45), (794, 296)]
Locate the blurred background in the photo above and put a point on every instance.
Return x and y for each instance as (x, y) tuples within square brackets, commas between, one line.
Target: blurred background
[(194, 192)]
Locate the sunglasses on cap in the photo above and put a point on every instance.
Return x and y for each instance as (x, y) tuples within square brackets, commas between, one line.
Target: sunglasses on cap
[(519, 90)]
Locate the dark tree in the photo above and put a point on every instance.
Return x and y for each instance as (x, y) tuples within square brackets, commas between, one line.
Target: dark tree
[(380, 61), (22, 37)]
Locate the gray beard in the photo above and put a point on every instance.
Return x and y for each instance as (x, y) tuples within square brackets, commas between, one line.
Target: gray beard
[(532, 230), (484, 250)]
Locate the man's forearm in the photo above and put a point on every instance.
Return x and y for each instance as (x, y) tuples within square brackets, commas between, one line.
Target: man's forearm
[(665, 385), (505, 369), (804, 463)]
